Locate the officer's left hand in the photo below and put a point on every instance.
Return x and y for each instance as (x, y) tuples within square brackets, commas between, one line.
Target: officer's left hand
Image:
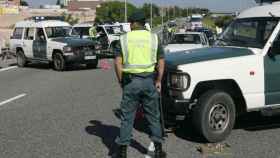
[(158, 86)]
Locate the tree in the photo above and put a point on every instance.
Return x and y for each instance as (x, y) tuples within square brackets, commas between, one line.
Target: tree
[(113, 11), (223, 21), (69, 18), (23, 3), (146, 8)]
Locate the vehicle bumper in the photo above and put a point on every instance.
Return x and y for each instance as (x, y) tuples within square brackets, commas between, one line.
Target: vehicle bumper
[(105, 54), (175, 109), (80, 59)]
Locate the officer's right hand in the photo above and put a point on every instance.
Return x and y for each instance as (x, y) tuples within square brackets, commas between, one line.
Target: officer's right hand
[(158, 86)]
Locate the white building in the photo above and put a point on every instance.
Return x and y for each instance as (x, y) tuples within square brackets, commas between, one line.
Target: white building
[(64, 2)]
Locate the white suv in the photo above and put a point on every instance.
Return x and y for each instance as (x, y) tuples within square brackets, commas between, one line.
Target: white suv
[(240, 74), (49, 41)]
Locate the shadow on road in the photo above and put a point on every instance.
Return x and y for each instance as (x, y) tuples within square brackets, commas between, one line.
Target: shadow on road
[(255, 122), (45, 66), (108, 134), (140, 124), (250, 122), (186, 131)]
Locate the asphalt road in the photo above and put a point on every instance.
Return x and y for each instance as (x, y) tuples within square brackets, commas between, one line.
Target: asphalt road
[(71, 115)]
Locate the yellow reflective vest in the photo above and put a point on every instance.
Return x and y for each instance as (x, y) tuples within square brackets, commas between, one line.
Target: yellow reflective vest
[(139, 51), (92, 32)]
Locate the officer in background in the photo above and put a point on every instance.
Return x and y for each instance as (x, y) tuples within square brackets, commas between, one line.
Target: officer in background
[(93, 32), (139, 66)]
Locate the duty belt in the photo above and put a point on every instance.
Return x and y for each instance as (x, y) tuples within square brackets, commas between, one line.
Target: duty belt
[(139, 75)]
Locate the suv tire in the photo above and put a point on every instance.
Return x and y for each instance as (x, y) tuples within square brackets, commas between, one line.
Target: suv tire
[(21, 59), (92, 65), (214, 115), (58, 62)]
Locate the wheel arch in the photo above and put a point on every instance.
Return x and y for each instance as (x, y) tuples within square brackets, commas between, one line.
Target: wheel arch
[(228, 85), (19, 49), (56, 51)]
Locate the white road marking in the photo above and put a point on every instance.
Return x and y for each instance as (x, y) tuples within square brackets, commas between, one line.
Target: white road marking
[(12, 99), (8, 68)]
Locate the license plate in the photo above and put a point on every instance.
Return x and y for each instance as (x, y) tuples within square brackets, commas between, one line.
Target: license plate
[(90, 57), (88, 53)]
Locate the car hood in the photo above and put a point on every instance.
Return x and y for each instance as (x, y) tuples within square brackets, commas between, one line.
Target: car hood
[(73, 41), (171, 48), (205, 54)]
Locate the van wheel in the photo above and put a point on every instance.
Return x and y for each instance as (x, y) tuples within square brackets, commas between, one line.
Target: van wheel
[(93, 65), (58, 62), (214, 115), (21, 59)]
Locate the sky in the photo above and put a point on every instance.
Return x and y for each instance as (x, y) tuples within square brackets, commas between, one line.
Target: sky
[(214, 5)]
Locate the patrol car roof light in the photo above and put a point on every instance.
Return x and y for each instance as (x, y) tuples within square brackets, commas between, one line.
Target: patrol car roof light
[(39, 18)]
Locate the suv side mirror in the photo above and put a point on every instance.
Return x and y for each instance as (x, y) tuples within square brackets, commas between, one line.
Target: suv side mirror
[(42, 38), (275, 49)]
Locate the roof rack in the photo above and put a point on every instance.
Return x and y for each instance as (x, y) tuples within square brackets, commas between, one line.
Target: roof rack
[(44, 18)]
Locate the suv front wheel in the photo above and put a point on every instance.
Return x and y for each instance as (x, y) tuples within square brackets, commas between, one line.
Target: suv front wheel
[(58, 62), (214, 115), (21, 59)]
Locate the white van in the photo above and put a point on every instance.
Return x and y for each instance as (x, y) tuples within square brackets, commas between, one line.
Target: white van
[(240, 74), (196, 21)]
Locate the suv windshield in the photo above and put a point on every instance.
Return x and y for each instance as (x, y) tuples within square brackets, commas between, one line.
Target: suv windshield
[(114, 30), (55, 32), (253, 32), (196, 19), (186, 39), (77, 31)]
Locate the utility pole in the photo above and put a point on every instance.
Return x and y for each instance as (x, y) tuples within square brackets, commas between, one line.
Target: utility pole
[(125, 11), (151, 13), (168, 15), (162, 12), (174, 13)]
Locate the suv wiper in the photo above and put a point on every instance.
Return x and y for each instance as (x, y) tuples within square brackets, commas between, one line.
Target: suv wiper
[(223, 42)]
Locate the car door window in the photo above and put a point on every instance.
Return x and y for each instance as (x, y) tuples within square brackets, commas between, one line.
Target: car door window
[(203, 39), (29, 34), (17, 33), (40, 34), (276, 45), (268, 29)]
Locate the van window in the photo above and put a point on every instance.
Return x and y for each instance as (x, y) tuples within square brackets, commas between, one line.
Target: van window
[(17, 33), (29, 34)]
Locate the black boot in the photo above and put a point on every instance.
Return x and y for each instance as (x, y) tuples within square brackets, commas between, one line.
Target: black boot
[(158, 151), (122, 151)]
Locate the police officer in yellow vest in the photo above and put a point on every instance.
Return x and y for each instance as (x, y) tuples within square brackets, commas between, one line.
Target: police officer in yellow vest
[(92, 32), (139, 65)]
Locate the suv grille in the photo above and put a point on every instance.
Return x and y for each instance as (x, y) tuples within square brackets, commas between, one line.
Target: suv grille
[(85, 50)]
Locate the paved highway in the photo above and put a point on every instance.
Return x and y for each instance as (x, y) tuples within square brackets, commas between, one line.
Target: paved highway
[(71, 114)]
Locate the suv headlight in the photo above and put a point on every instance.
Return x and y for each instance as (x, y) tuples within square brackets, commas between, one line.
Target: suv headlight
[(67, 49), (179, 81)]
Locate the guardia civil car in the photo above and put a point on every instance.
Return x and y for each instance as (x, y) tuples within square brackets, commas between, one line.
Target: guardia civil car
[(39, 40), (240, 74)]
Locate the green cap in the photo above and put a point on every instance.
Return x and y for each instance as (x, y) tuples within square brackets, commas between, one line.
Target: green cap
[(137, 16)]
